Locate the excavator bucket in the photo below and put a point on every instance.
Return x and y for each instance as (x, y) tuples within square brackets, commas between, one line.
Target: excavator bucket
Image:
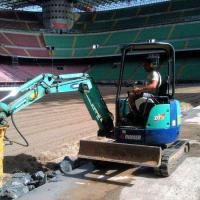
[(120, 153)]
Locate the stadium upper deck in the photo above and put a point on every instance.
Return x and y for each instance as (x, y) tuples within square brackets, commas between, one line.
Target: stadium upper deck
[(177, 22), (139, 16), (99, 34)]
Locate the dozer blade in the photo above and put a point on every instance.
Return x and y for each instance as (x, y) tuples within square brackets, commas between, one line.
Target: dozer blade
[(120, 153)]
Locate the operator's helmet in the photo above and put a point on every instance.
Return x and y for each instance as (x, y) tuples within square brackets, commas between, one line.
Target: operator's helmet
[(154, 59)]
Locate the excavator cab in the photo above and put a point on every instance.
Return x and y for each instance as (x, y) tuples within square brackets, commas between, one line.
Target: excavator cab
[(157, 122)]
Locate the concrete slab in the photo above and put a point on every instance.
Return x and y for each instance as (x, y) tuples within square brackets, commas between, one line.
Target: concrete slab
[(182, 184), (53, 190), (85, 183), (123, 184)]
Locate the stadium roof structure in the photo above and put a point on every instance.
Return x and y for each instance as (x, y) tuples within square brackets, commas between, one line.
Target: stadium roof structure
[(83, 5)]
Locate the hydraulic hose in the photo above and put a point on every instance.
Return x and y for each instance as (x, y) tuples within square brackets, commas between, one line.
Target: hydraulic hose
[(21, 135)]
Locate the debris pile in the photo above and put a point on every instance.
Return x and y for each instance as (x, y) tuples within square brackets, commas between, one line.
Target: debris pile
[(22, 183)]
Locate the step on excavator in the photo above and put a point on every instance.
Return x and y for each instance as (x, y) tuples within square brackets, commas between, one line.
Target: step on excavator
[(152, 141)]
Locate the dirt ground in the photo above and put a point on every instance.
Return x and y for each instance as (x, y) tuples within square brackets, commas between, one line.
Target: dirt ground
[(54, 126)]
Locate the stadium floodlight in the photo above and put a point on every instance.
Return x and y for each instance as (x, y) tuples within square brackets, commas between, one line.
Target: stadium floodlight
[(153, 40), (95, 46)]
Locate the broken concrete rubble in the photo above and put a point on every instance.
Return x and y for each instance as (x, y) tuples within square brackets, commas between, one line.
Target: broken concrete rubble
[(66, 165), (22, 183), (19, 185)]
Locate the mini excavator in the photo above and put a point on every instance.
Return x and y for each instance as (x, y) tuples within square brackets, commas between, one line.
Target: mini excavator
[(153, 143)]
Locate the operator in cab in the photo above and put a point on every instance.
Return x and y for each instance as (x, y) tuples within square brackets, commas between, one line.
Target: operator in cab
[(140, 95)]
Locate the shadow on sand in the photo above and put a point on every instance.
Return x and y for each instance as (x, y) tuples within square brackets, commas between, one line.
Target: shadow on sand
[(21, 163)]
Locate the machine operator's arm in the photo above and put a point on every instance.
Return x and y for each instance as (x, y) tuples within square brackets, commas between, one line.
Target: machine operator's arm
[(149, 88), (45, 84)]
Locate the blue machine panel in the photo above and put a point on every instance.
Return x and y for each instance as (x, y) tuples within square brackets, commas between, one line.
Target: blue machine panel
[(154, 135)]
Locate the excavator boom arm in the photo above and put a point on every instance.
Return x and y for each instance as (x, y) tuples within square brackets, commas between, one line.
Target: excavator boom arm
[(44, 84)]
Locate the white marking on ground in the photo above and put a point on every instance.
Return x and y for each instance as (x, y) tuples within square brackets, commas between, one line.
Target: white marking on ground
[(101, 177), (182, 184), (80, 183), (197, 108), (194, 142), (118, 178)]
